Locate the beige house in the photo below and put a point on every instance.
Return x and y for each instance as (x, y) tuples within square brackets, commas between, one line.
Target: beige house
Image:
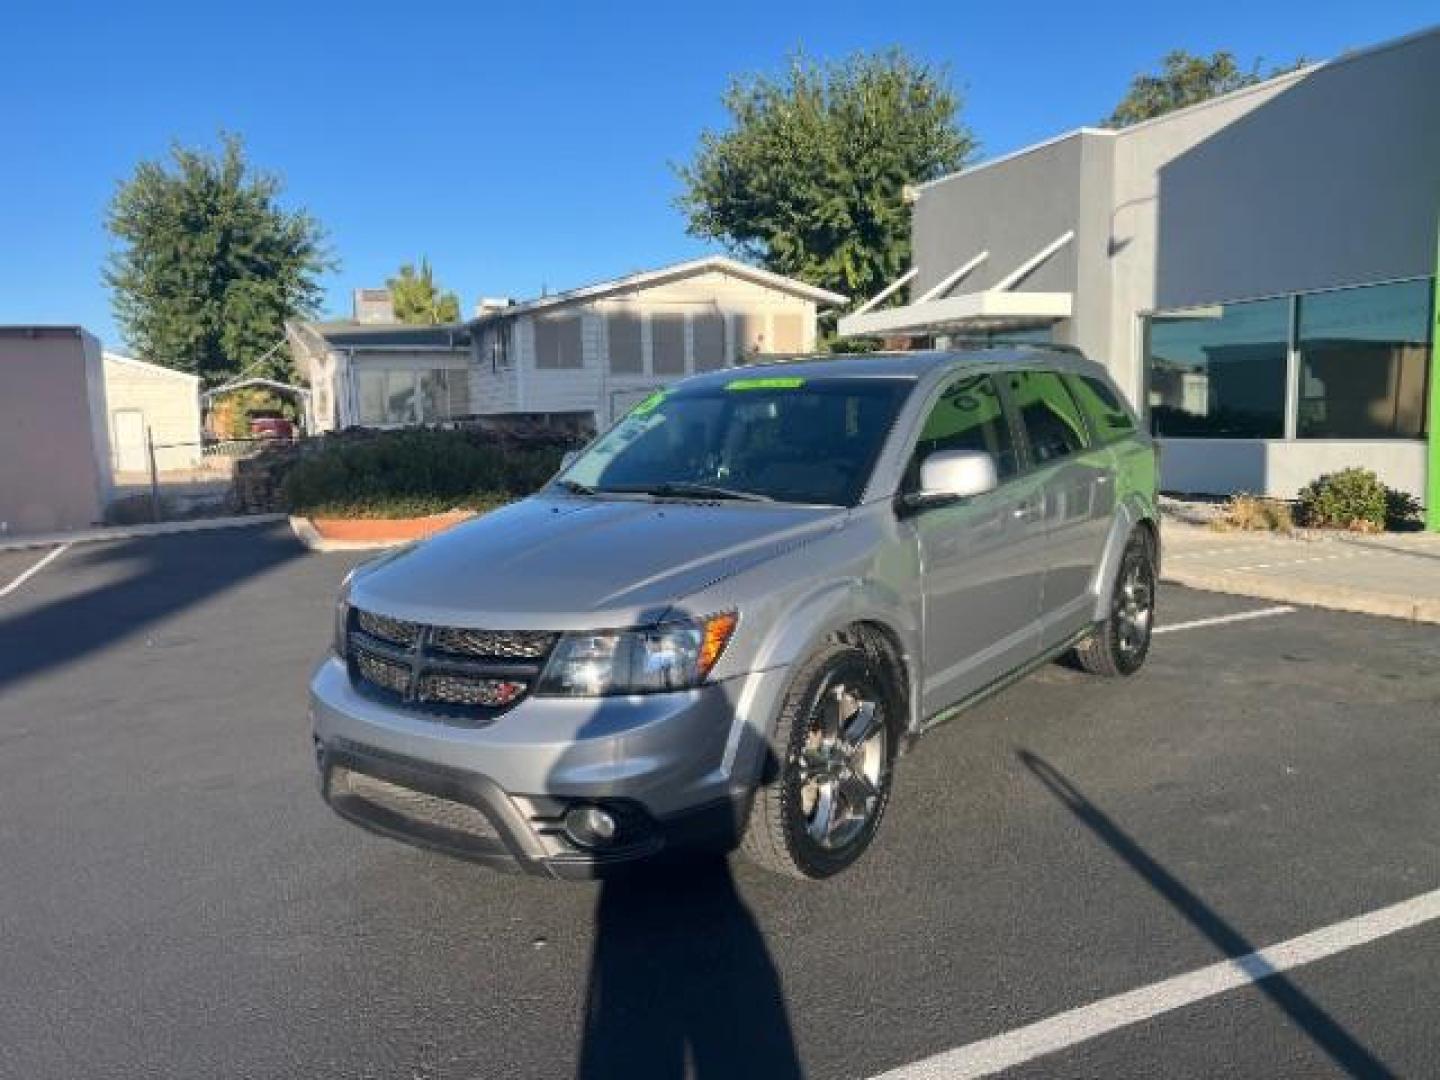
[(595, 351), (141, 397), (54, 445)]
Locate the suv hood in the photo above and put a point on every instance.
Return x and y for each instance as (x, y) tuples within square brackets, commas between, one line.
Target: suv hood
[(573, 564)]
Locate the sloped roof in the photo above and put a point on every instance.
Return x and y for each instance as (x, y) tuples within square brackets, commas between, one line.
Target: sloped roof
[(647, 278), (345, 332)]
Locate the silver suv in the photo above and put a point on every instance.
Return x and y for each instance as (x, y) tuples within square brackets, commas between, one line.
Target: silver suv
[(722, 622)]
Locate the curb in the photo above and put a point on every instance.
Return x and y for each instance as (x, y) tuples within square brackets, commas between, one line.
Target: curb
[(131, 532), (307, 534), (1333, 597)]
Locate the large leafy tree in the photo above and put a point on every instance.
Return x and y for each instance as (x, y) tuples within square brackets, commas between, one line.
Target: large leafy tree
[(809, 178), (418, 299), (210, 265), (1186, 79)]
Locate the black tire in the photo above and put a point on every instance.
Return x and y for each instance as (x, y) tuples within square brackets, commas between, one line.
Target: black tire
[(1120, 644), (778, 835)]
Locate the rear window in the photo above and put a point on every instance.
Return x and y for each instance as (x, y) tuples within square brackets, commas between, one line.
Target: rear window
[(1109, 418)]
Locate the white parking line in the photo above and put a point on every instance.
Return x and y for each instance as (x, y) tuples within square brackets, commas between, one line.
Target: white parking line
[(1220, 620), (989, 1056), (28, 574)]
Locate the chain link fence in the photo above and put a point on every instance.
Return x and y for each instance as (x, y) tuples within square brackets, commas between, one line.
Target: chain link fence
[(155, 481)]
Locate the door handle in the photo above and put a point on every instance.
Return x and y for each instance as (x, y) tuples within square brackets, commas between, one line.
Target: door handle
[(1026, 512), (1103, 479)]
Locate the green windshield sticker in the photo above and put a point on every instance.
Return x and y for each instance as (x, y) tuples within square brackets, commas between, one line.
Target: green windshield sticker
[(649, 404), (788, 382)]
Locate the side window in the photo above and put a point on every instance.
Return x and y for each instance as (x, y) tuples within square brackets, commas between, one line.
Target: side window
[(1052, 422), (1108, 416), (968, 416)]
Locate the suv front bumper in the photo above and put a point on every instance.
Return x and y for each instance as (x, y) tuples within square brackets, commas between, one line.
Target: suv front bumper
[(675, 770)]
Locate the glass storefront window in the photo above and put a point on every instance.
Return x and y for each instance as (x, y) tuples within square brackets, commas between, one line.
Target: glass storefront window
[(1363, 359), (1219, 372)]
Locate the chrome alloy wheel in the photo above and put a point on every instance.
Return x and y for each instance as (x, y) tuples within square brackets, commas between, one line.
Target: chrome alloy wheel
[(841, 762), (1134, 606)]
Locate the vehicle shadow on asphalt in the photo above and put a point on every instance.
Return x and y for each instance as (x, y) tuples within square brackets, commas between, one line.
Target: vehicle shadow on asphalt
[(148, 580), (681, 982), (1344, 1050)]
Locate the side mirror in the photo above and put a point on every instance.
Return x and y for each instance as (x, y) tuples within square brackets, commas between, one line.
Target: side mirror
[(568, 458), (948, 475)]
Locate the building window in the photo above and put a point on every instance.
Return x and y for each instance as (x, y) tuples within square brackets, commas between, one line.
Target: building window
[(1219, 371), (667, 343), (626, 350), (1363, 359), (391, 397), (707, 332), (559, 343)]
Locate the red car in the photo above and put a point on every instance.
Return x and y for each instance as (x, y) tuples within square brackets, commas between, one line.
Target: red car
[(271, 425)]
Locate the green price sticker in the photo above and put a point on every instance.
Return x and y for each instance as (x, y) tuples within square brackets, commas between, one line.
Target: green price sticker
[(787, 382), (649, 405)]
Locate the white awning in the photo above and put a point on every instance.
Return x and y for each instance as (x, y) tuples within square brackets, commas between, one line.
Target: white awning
[(989, 310), (996, 308)]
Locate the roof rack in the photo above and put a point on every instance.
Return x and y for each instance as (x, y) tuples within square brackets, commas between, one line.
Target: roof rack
[(990, 343)]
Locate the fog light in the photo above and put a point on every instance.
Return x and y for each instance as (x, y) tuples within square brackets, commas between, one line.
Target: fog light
[(591, 826)]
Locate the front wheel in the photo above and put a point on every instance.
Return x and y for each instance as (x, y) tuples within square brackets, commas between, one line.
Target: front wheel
[(1120, 644), (830, 779)]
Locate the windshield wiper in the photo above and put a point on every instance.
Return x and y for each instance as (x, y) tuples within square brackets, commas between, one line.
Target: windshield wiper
[(575, 487), (680, 489)]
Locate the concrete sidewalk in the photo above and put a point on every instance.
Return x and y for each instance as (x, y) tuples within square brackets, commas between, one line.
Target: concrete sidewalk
[(1393, 574), (128, 532)]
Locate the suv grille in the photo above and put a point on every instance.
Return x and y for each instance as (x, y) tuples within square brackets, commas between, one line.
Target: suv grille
[(458, 673)]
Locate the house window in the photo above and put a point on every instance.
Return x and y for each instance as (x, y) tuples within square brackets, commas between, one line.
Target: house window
[(559, 344), (391, 397), (1363, 359), (1219, 371), (626, 350), (667, 343), (707, 334)]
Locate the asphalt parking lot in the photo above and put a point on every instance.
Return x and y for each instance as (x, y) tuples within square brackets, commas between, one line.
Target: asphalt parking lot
[(176, 901)]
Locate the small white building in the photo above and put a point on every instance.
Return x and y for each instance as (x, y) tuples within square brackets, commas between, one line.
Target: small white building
[(141, 397), (593, 352)]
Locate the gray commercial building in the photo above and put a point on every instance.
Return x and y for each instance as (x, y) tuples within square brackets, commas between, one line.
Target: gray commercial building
[(1258, 271)]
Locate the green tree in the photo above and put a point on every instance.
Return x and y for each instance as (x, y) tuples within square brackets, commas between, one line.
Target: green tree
[(418, 299), (210, 265), (1186, 79), (809, 179)]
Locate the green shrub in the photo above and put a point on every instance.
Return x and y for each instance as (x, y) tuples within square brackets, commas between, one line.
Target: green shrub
[(1402, 510), (1349, 499), (415, 472)]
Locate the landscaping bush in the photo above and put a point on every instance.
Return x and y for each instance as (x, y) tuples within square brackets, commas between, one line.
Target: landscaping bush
[(1250, 512), (1402, 510), (416, 472), (1349, 499)]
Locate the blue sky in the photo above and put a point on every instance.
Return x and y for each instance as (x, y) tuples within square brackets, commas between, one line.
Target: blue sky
[(519, 145)]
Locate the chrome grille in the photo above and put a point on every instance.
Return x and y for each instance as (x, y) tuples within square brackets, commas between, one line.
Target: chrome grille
[(395, 631), (444, 688), (383, 672), (501, 644), (463, 675)]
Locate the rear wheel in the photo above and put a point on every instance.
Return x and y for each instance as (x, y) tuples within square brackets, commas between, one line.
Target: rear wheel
[(1120, 644), (832, 748)]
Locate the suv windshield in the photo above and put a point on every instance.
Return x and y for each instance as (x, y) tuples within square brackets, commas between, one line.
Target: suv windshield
[(780, 438)]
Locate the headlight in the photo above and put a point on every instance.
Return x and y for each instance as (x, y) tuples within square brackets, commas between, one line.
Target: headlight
[(675, 656)]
